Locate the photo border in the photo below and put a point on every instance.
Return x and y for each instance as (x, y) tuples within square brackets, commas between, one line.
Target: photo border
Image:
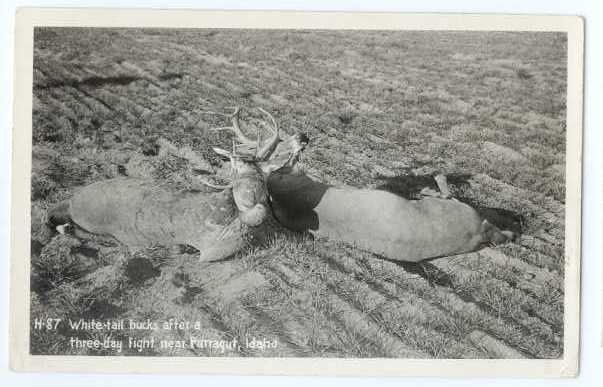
[(28, 18)]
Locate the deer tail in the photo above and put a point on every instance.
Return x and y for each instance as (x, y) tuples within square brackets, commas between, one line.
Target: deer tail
[(59, 214)]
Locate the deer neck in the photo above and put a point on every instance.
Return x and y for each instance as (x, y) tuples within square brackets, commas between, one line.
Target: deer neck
[(295, 192)]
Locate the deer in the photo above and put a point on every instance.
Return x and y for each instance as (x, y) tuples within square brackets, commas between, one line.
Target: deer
[(437, 225), (140, 213), (269, 190)]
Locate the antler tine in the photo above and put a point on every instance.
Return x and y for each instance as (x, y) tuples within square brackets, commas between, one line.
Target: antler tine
[(258, 139), (234, 117), (266, 151), (215, 186), (237, 129), (271, 118)]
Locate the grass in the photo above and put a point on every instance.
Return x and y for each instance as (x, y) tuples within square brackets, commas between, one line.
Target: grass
[(382, 109)]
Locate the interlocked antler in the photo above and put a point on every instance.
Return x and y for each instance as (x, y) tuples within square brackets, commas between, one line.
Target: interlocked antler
[(234, 117), (259, 156), (264, 153), (260, 152)]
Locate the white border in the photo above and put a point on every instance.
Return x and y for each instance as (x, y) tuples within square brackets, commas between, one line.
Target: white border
[(27, 18)]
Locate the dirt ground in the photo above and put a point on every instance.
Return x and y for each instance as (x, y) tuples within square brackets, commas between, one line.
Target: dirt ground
[(383, 110)]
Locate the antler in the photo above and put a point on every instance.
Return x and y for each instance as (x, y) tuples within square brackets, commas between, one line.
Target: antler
[(215, 186), (264, 153), (256, 152), (237, 129), (234, 118)]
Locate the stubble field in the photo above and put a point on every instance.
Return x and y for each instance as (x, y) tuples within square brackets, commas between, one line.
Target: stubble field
[(384, 110)]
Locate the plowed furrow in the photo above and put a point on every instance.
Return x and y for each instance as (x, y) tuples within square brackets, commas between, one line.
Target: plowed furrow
[(303, 317), (535, 252), (500, 301), (412, 320), (355, 331), (58, 101), (470, 312), (235, 315)]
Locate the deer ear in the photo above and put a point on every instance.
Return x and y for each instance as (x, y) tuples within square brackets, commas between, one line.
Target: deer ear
[(222, 152)]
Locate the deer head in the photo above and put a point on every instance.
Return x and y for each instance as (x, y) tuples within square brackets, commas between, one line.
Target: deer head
[(251, 162)]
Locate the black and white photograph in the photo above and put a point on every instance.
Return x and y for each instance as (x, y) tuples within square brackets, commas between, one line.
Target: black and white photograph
[(300, 193)]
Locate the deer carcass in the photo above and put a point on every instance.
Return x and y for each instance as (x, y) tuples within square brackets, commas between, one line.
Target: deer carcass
[(140, 213), (379, 221)]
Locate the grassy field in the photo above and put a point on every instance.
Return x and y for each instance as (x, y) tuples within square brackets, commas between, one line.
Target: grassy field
[(383, 110)]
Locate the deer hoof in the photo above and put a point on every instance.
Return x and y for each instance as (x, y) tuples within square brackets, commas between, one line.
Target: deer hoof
[(428, 192), (511, 236)]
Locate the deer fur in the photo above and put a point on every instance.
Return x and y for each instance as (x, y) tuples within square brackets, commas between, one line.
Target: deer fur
[(379, 221)]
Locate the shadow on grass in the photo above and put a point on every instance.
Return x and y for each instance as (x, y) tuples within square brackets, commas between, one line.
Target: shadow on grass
[(94, 82), (410, 186), (428, 271)]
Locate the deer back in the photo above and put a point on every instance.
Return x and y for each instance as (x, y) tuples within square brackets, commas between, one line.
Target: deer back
[(140, 213)]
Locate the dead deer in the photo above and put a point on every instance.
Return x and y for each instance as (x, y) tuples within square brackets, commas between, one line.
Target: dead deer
[(140, 213), (379, 221)]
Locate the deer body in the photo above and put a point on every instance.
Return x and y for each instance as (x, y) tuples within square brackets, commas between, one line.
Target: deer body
[(379, 221), (141, 213)]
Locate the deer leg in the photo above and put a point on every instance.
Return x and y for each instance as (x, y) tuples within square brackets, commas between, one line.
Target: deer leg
[(220, 251), (220, 244), (442, 183), (101, 239), (492, 234), (430, 192)]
